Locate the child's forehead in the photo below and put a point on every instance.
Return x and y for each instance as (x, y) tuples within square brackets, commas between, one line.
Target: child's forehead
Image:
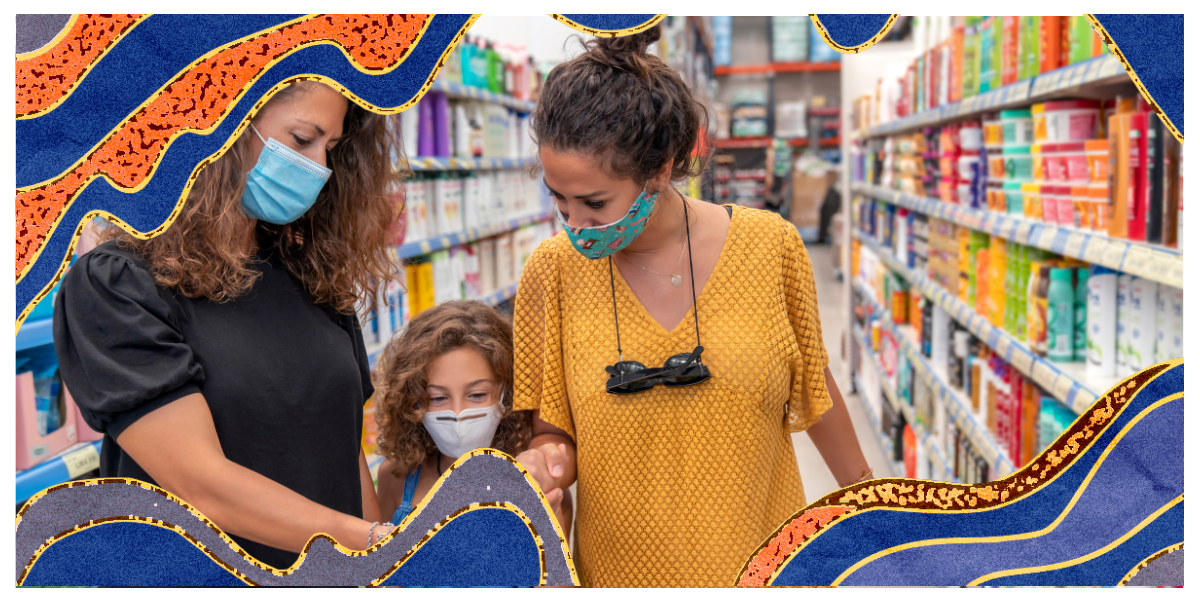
[(461, 366)]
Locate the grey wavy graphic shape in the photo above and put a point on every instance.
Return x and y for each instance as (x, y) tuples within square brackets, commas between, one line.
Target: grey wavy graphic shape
[(482, 478)]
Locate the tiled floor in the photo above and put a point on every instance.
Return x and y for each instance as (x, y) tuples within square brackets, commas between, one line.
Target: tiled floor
[(818, 481)]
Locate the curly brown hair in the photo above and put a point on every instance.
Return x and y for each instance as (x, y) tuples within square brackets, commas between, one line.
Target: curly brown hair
[(400, 396), (625, 106), (338, 250)]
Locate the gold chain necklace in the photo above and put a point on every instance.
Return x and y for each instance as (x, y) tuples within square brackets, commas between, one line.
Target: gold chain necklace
[(676, 280)]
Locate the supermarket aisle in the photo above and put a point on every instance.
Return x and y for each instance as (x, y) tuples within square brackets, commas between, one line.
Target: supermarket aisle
[(817, 479)]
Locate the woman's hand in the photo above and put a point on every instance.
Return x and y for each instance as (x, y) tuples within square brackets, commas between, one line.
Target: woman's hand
[(545, 464)]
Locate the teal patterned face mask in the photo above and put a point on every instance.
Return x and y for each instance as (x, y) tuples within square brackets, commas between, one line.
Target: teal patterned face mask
[(605, 240)]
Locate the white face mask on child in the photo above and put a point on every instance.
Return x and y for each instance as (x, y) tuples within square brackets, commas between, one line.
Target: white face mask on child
[(456, 435)]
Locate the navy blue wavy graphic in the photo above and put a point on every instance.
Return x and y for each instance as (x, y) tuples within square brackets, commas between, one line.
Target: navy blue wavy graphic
[(1153, 45), (489, 545), (148, 57), (834, 551), (506, 556), (611, 22), (103, 555), (1108, 568), (1127, 488), (853, 30), (149, 207)]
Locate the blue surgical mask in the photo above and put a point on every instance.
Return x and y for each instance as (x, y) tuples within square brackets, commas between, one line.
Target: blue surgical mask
[(283, 185)]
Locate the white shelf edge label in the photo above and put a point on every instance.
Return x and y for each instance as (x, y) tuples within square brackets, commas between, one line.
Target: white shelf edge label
[(1062, 387), (1074, 245), (82, 461)]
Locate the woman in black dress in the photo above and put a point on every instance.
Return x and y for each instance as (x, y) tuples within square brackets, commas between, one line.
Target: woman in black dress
[(223, 359)]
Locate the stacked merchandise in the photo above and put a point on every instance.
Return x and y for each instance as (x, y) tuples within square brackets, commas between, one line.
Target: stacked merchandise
[(818, 50), (789, 38), (470, 271), (826, 121), (449, 202), (748, 187), (498, 68), (1101, 167), (722, 177), (960, 57), (722, 41), (1020, 417), (1059, 308), (439, 127), (791, 119), (749, 113)]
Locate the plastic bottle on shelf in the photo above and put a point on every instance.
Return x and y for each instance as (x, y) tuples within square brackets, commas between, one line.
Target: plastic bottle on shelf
[(1169, 321), (1124, 314), (1081, 314), (1060, 340), (1101, 323), (1143, 299)]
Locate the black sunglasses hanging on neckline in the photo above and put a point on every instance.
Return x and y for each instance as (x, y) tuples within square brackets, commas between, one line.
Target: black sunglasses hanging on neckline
[(681, 370)]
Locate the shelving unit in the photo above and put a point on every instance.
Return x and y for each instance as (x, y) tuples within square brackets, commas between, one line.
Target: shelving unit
[(932, 450), (71, 463), (1065, 381), (1094, 77), (1152, 261), (458, 90), (778, 67), (35, 333), (957, 405), (428, 163), (442, 242)]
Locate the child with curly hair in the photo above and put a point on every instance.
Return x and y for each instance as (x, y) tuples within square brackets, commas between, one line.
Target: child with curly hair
[(443, 388)]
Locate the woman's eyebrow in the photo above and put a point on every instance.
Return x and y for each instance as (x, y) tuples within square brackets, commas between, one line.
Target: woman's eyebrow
[(581, 197), (320, 130)]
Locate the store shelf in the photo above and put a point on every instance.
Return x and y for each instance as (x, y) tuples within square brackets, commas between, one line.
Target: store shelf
[(1151, 261), (885, 443), (426, 163), (441, 242), (1098, 72), (958, 406), (35, 333), (758, 142), (830, 142), (1066, 381), (495, 298), (936, 456), (778, 67), (827, 111), (459, 90), (71, 463)]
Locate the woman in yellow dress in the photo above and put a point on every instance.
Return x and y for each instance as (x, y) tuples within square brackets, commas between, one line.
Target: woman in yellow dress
[(669, 346)]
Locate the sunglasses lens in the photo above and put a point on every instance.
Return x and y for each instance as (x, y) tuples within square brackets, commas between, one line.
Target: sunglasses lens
[(630, 366)]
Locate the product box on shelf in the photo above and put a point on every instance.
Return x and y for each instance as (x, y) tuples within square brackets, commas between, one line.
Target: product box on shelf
[(504, 260), (32, 446)]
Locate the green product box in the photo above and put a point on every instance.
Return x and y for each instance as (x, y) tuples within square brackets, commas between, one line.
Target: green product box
[(970, 65), (1079, 39), (1029, 48), (989, 72)]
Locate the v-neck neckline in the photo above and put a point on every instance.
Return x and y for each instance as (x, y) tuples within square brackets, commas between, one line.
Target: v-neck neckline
[(641, 308)]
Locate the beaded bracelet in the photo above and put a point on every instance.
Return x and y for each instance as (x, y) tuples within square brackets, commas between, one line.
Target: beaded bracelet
[(371, 534)]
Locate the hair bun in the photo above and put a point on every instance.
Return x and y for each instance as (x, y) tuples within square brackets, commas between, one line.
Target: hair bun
[(627, 52)]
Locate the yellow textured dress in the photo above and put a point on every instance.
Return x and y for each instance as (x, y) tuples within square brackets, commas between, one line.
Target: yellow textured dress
[(677, 486)]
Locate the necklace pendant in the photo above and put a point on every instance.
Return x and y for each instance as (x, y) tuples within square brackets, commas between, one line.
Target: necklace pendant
[(676, 280)]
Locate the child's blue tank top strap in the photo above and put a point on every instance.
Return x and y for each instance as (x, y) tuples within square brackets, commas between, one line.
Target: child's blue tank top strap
[(410, 489)]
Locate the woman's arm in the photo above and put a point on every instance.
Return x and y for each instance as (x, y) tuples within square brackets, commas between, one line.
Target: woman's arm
[(370, 501), (835, 439), (177, 445)]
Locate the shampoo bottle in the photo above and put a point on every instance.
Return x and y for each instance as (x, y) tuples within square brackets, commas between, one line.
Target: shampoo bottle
[(1060, 341)]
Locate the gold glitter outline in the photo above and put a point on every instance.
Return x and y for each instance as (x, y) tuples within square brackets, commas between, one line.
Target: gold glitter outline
[(1112, 45), (303, 553), (860, 47), (211, 158), (1149, 559), (82, 73), (1028, 535), (609, 32), (1086, 557), (841, 497)]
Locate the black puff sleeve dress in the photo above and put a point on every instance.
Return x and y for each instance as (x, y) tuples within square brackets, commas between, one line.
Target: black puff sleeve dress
[(285, 379)]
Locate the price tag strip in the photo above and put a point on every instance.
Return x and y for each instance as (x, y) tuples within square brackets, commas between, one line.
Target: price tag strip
[(1137, 262), (1096, 247), (1074, 245), (1044, 375), (1062, 388), (1114, 255), (82, 461)]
